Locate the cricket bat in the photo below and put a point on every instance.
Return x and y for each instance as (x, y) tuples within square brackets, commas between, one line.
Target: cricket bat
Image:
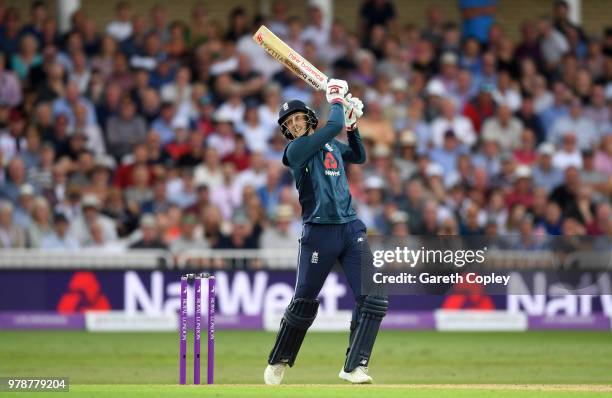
[(284, 54)]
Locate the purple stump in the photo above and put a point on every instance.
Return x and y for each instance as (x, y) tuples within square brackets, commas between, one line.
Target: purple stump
[(183, 333), (211, 329), (197, 329)]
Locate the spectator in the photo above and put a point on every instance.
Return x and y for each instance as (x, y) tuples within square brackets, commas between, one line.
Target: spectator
[(553, 44), (189, 239), (569, 153), (597, 180), (10, 89), (575, 122), (121, 27), (181, 191), (481, 107), (139, 192), (11, 235), (525, 153), (375, 127), (41, 224), (478, 17), (95, 141), (449, 120), (448, 155), (376, 13), (226, 195), (27, 57), (125, 130), (280, 236), (150, 234), (60, 238), (68, 103), (241, 236), (527, 115), (603, 157), (22, 212), (504, 128), (81, 226), (15, 178)]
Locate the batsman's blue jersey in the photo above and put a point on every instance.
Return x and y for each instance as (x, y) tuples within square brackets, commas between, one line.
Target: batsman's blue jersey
[(317, 164)]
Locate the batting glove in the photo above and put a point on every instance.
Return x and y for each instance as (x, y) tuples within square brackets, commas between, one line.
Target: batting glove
[(353, 109), (336, 90)]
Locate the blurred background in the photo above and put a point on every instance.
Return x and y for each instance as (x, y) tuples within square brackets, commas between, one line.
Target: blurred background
[(139, 138)]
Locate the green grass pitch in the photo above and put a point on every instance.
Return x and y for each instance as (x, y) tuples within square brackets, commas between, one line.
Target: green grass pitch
[(405, 364)]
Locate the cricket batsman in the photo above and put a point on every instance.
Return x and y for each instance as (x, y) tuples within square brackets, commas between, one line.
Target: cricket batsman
[(331, 231)]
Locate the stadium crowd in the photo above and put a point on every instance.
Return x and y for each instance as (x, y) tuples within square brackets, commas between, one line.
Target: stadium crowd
[(150, 133)]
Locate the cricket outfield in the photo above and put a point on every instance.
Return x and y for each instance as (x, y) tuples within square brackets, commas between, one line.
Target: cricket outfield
[(415, 364)]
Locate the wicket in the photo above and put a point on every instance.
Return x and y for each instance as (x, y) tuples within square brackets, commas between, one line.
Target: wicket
[(197, 327)]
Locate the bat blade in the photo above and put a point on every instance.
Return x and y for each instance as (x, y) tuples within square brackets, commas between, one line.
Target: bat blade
[(290, 58)]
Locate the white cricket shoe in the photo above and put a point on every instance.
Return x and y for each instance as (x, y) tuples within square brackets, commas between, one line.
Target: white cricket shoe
[(273, 375), (359, 375)]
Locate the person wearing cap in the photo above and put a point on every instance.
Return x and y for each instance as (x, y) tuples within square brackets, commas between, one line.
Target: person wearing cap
[(406, 161), (61, 238), (481, 107), (243, 234), (371, 210), (281, 235), (190, 238), (90, 213), (448, 72), (150, 237), (522, 192), (544, 173), (21, 213)]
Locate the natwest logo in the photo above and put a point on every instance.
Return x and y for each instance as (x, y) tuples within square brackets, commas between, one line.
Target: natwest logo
[(330, 161)]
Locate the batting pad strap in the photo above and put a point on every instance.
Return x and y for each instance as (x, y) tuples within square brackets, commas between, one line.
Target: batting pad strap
[(298, 317), (376, 306), (371, 315)]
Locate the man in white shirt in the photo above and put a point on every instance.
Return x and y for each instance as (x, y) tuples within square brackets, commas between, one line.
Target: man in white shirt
[(504, 128), (569, 154), (450, 120), (317, 31), (121, 28), (585, 130)]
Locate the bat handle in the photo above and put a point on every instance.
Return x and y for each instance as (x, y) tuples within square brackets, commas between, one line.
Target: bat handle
[(347, 104)]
